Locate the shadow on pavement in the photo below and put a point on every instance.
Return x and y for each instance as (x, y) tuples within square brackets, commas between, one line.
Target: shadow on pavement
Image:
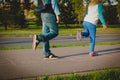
[(101, 52)]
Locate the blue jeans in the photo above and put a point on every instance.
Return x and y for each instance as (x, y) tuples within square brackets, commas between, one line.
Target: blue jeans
[(49, 31), (90, 30)]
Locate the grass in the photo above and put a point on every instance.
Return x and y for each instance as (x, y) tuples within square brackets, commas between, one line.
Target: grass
[(106, 74), (30, 32), (58, 45), (26, 32)]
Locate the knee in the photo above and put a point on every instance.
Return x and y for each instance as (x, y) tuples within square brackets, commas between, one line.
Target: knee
[(56, 34)]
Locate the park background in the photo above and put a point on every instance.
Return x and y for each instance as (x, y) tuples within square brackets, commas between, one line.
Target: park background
[(18, 18), (22, 13)]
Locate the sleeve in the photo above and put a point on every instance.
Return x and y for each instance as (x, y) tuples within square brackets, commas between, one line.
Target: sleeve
[(86, 12), (55, 7), (100, 14)]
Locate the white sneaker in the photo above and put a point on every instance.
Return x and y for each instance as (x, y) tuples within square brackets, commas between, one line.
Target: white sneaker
[(79, 36), (51, 56), (114, 3)]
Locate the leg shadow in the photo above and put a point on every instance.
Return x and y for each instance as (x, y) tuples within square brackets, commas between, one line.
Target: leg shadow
[(101, 52), (108, 51)]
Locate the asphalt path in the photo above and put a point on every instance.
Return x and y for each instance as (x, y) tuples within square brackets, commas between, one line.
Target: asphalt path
[(26, 41), (25, 63), (17, 64)]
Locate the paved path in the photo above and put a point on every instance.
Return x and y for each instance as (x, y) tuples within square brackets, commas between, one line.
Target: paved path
[(26, 41), (27, 63)]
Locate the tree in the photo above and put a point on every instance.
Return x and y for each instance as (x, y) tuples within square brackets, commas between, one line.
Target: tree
[(68, 15), (27, 4), (17, 14), (79, 9), (12, 14), (112, 12), (3, 18)]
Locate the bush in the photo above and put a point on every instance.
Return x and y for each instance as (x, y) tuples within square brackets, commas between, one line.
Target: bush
[(12, 14), (111, 14)]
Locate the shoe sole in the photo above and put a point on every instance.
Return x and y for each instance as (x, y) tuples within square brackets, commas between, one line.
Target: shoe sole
[(34, 43), (92, 55), (79, 37), (51, 58)]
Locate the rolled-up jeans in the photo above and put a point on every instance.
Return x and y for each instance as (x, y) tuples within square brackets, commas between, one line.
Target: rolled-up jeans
[(90, 30), (49, 31)]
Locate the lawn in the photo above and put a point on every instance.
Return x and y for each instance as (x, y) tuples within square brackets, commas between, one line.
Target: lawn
[(71, 30), (106, 74), (27, 32), (59, 45)]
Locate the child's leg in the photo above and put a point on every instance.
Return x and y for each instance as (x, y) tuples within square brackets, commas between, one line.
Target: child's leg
[(86, 31), (92, 30)]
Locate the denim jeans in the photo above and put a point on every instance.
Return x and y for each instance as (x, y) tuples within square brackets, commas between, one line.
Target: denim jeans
[(49, 31), (90, 30)]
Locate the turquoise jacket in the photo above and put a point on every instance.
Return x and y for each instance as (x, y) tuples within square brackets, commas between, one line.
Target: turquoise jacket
[(100, 13)]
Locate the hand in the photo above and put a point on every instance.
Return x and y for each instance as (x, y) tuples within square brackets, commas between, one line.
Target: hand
[(105, 27), (58, 18)]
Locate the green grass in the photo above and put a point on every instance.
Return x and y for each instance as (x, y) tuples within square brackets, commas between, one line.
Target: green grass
[(33, 29), (58, 45), (30, 32), (71, 30), (106, 74)]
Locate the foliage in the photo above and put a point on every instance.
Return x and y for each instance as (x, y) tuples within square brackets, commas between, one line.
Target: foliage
[(38, 17), (72, 12), (27, 4), (111, 14), (35, 12), (79, 9), (17, 14), (68, 15), (12, 14)]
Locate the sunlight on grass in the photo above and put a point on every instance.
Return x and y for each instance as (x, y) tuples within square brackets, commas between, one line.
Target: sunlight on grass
[(62, 31), (58, 45), (106, 74)]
